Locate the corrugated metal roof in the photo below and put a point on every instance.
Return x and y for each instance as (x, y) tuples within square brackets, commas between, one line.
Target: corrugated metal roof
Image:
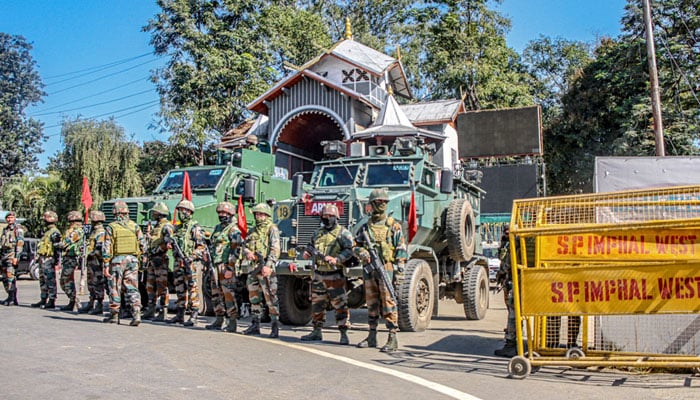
[(433, 111), (359, 54)]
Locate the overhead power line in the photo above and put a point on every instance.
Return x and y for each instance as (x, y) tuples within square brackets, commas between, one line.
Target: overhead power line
[(89, 96), (91, 70), (102, 77), (95, 104), (111, 113)]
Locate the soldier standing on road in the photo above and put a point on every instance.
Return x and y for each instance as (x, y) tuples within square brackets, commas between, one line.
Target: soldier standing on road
[(505, 280), (190, 239), (390, 244), (158, 261), (95, 274), (49, 253), (262, 246), (11, 245), (72, 247), (336, 244), (123, 244), (225, 246)]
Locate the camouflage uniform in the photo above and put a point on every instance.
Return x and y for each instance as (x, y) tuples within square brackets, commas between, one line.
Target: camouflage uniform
[(262, 241), (11, 245), (388, 240), (190, 239), (157, 268), (124, 243), (49, 252), (224, 251), (336, 243), (73, 242), (95, 274)]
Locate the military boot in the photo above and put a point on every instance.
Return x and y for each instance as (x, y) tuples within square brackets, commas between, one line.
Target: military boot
[(40, 304), (11, 298), (344, 340), (50, 305), (509, 350), (370, 340), (192, 320), (149, 312), (68, 307), (14, 297), (274, 330), (217, 324), (231, 326), (179, 318), (315, 335), (254, 328), (136, 321), (392, 344), (112, 318), (97, 309), (161, 316), (7, 300), (87, 307)]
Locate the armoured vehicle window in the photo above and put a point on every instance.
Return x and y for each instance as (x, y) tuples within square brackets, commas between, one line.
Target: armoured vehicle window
[(343, 175), (388, 174), (199, 179)]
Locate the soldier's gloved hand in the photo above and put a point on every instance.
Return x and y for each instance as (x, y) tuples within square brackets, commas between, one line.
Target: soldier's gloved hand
[(400, 268), (364, 256)]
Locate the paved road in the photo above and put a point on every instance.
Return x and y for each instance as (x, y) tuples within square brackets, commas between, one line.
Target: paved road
[(60, 355)]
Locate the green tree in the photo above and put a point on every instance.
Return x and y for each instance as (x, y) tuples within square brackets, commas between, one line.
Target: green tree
[(20, 87), (30, 196), (100, 151), (158, 157), (217, 64)]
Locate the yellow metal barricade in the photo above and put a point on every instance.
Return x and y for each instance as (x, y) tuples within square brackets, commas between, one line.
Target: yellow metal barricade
[(603, 264)]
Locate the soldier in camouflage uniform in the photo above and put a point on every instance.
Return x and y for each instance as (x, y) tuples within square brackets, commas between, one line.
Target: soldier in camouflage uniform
[(189, 237), (389, 242), (11, 245), (49, 252), (262, 250), (336, 245), (124, 243), (225, 247), (95, 274), (158, 261), (72, 247)]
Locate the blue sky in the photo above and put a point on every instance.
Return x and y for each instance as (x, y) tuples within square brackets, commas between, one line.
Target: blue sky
[(96, 61)]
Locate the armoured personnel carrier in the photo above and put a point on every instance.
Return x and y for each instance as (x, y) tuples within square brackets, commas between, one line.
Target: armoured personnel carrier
[(444, 253)]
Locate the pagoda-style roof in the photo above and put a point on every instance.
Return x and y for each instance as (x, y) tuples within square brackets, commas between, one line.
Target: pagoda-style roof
[(433, 112)]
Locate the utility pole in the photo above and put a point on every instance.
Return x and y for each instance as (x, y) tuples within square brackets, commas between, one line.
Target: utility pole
[(654, 81)]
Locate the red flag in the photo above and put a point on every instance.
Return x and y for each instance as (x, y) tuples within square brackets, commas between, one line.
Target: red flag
[(186, 188), (412, 218), (86, 197), (242, 223)]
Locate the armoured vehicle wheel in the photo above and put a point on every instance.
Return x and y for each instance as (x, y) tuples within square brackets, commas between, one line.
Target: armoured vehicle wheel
[(294, 303), (416, 297), (34, 270), (475, 292), (460, 230)]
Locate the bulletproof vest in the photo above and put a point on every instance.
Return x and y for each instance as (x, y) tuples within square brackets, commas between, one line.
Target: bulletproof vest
[(326, 242), (380, 233), (259, 239), (220, 243), (183, 235), (9, 239), (96, 240), (45, 246), (157, 235), (72, 248), (124, 238)]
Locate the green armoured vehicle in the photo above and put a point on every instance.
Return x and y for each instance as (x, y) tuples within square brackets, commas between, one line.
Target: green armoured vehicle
[(241, 172), (444, 260)]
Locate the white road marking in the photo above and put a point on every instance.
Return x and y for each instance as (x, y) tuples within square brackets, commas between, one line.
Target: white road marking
[(440, 388)]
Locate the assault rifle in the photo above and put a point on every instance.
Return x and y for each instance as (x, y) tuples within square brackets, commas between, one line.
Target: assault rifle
[(209, 262), (178, 253), (83, 260), (376, 264)]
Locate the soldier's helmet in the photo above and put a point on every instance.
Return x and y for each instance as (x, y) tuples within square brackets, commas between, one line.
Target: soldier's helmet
[(226, 207), (160, 208), (251, 139), (185, 205), (97, 216), (330, 209), (50, 216), (74, 216), (378, 194), (120, 207), (262, 208)]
